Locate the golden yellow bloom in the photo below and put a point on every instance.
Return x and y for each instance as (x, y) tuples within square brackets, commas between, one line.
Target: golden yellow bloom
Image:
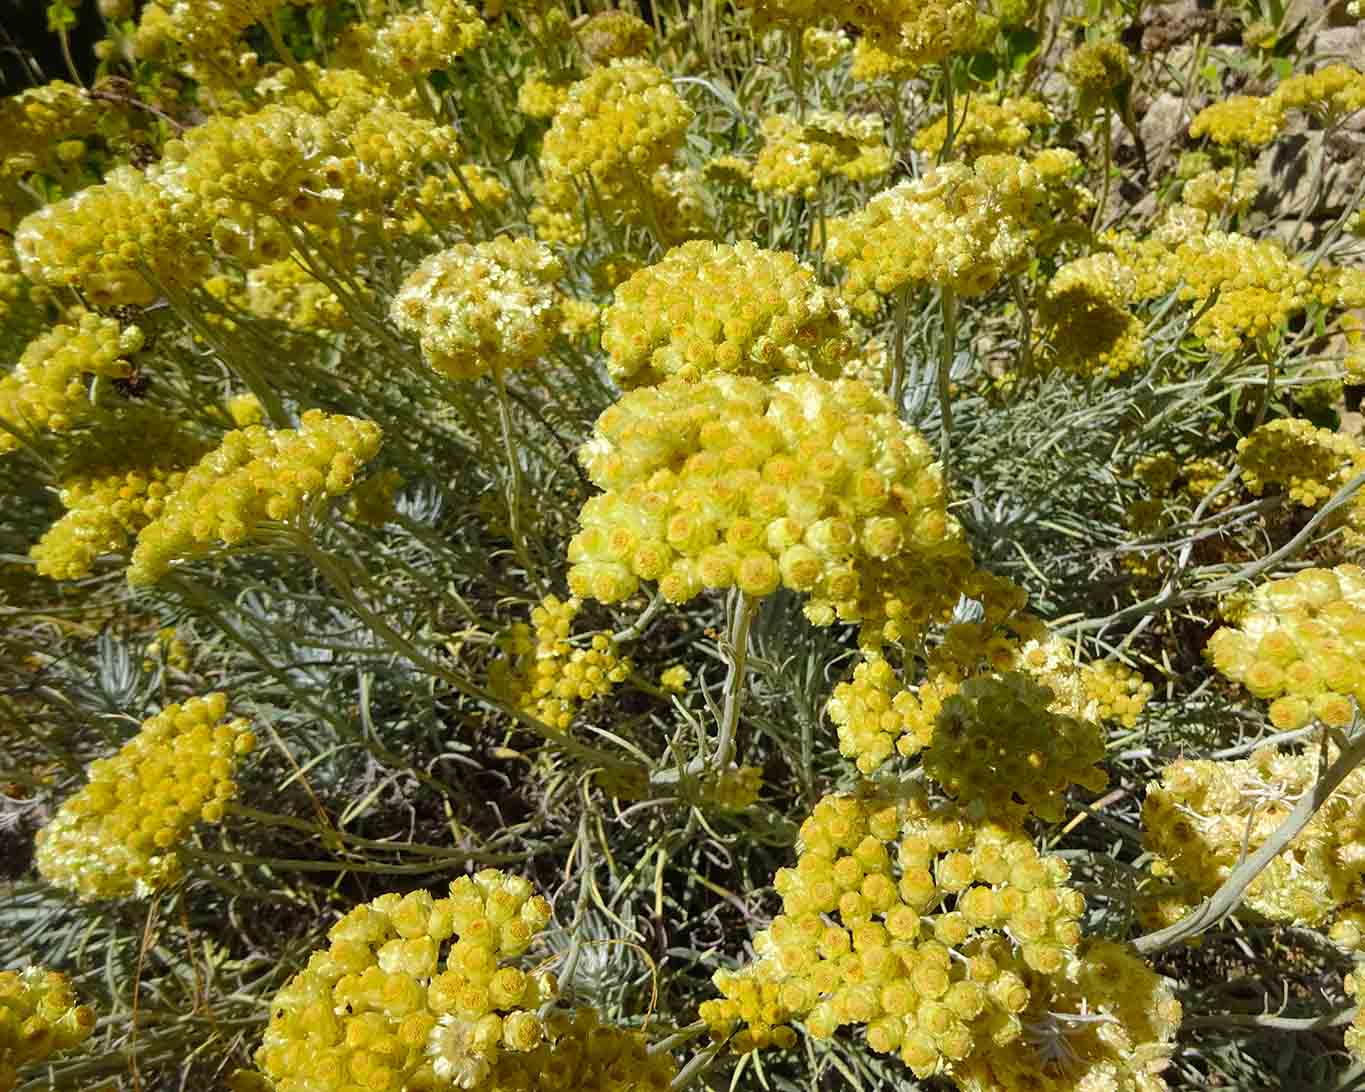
[(418, 42), (1084, 322), (1096, 70), (39, 1017), (1240, 121), (614, 35), (986, 128), (797, 157), (118, 835)]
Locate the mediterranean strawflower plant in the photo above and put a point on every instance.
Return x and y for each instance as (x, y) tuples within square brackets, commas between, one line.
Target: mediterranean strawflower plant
[(579, 546)]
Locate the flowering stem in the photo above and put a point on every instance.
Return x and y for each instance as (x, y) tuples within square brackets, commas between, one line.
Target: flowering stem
[(896, 385), (945, 153), (513, 491), (797, 71), (1106, 125), (737, 641), (1225, 900), (945, 403)]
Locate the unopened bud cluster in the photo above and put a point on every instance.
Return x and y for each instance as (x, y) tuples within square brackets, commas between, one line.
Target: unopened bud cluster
[(39, 1017), (49, 388), (1084, 323), (118, 835), (1308, 463), (255, 474), (736, 309), (414, 991), (545, 675), (1299, 643), (581, 1053), (803, 483)]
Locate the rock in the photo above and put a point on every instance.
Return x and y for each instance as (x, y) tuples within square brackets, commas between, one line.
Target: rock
[(1340, 44), (1289, 171)]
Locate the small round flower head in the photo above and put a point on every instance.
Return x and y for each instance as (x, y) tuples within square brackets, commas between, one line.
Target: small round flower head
[(1084, 321), (924, 32), (580, 1052), (105, 237), (1204, 816), (478, 307), (118, 835), (616, 128), (872, 64), (925, 924), (996, 741), (1096, 70), (986, 128), (731, 482), (1221, 192), (539, 96), (414, 991), (417, 42), (39, 1017), (287, 292), (878, 717), (614, 35), (49, 388), (959, 227), (1240, 121), (823, 49), (200, 27), (255, 474), (1308, 463), (737, 309), (1299, 644), (797, 156)]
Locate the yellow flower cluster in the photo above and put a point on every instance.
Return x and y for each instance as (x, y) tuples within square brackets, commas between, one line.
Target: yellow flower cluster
[(876, 716), (1115, 692), (959, 227), (1221, 192), (1096, 70), (986, 128), (582, 1054), (1332, 93), (167, 648), (43, 131), (614, 35), (823, 49), (255, 474), (118, 835), (49, 388), (39, 1017), (544, 675), (201, 27), (108, 504), (1308, 463), (804, 483), (733, 789), (371, 500), (714, 308), (287, 292), (539, 96), (1299, 643), (1084, 324), (953, 943), (481, 307), (102, 238), (923, 31), (1205, 815), (1239, 121), (871, 63), (1355, 1034), (445, 201), (415, 43), (997, 743), (616, 128), (414, 991), (797, 157)]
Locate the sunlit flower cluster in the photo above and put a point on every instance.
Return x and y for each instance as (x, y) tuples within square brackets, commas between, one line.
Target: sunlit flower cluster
[(1299, 643), (414, 991), (1240, 121), (49, 388), (734, 309), (119, 835), (1308, 463), (482, 307), (986, 128), (1097, 69), (797, 156), (614, 35), (416, 42), (39, 1017), (1084, 319), (254, 474), (804, 483), (580, 1052)]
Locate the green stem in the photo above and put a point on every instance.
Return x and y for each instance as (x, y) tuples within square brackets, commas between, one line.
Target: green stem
[(945, 153), (513, 490), (948, 299), (1106, 125), (737, 651), (896, 384)]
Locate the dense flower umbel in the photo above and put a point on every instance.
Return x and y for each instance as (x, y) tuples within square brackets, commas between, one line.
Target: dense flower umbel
[(1308, 463), (414, 991), (582, 1054), (950, 940), (613, 35), (797, 156), (255, 474), (1096, 70), (39, 1017), (986, 128), (118, 835), (959, 227), (1355, 1034), (49, 389), (414, 43), (1083, 319), (616, 128), (1239, 121), (479, 307), (708, 307), (1204, 816), (807, 483), (1300, 643)]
